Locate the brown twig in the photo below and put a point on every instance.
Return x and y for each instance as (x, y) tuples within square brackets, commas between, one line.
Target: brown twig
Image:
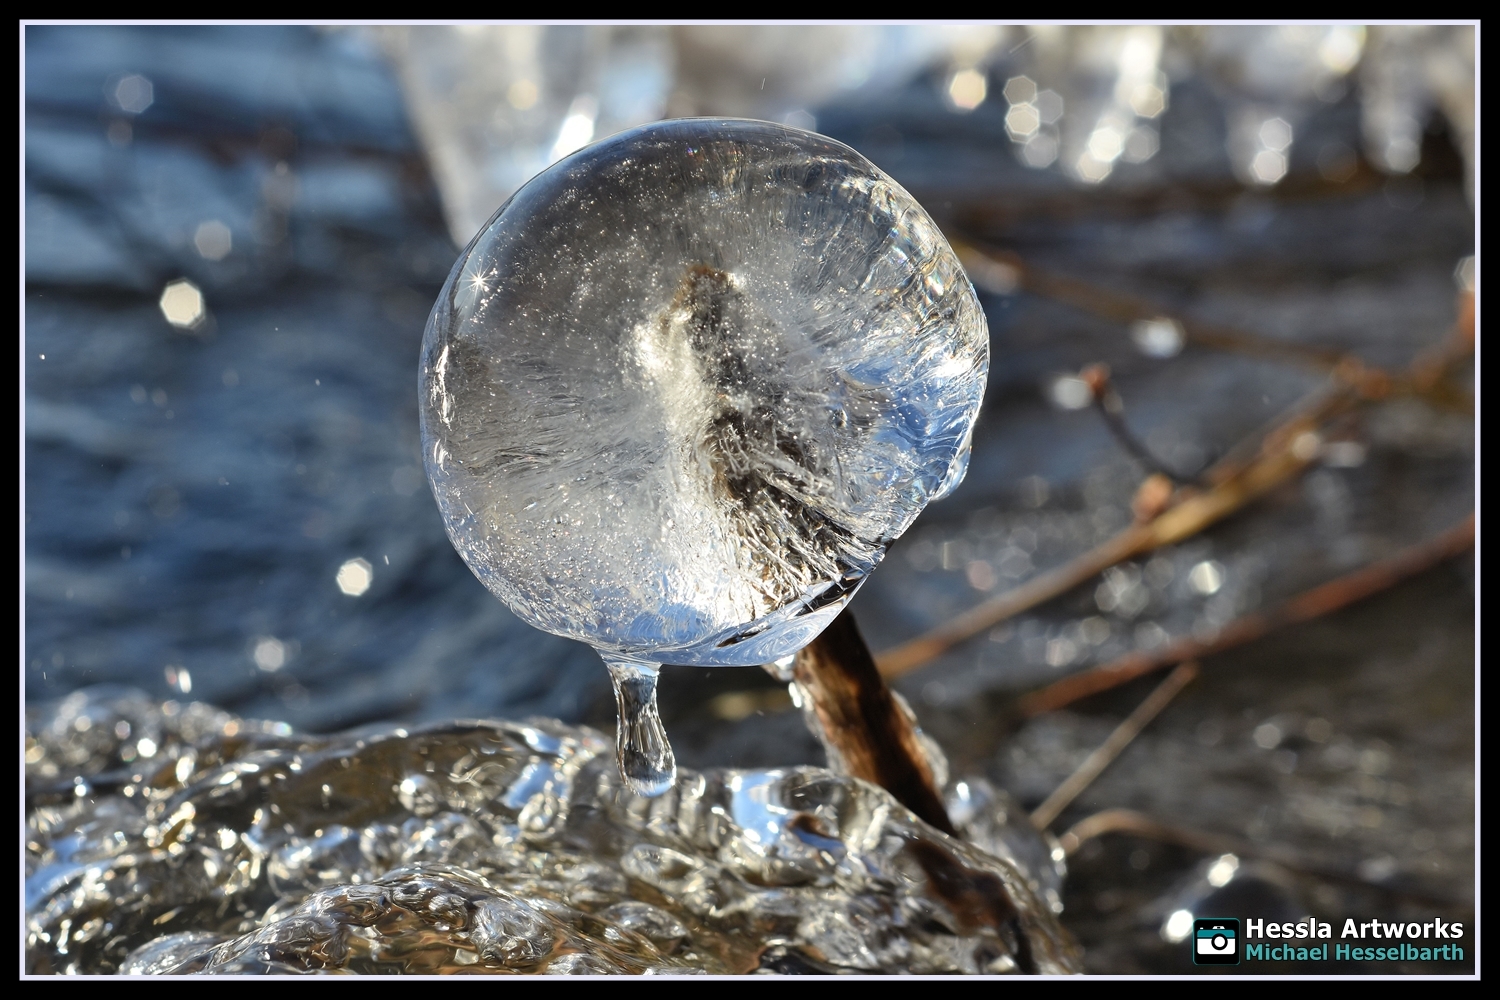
[(1094, 764), (1136, 824), (1141, 825), (1040, 588), (1247, 471), (1284, 452), (864, 730), (1314, 603), (1431, 369), (1111, 409), (1003, 272)]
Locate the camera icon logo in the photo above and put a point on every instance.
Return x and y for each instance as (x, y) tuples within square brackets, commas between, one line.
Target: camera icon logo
[(1216, 941)]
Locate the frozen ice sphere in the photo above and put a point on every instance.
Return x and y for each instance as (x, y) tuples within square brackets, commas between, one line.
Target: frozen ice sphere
[(687, 385)]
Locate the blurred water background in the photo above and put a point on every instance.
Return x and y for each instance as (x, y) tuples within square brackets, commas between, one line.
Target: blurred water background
[(234, 234)]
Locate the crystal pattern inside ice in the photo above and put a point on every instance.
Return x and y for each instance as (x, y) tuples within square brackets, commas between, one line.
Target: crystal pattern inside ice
[(687, 385)]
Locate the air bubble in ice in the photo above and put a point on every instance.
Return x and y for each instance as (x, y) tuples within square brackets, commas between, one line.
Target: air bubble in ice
[(684, 389)]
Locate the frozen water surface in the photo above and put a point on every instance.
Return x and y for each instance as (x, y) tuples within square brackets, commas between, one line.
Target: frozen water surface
[(238, 847), (684, 389)]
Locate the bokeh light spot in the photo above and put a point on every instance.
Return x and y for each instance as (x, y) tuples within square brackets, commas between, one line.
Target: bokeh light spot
[(1022, 121), (355, 577), (1401, 155), (1463, 274), (1341, 48), (1091, 169), (1020, 90), (1276, 133), (1106, 144), (1040, 150), (1267, 736), (213, 240), (1049, 105), (179, 679), (269, 654), (1221, 873), (1148, 100), (134, 94), (182, 304), (967, 89), (1177, 927), (522, 95), (1268, 167), (1141, 144), (801, 119), (1158, 337), (577, 128), (1207, 577), (1069, 392)]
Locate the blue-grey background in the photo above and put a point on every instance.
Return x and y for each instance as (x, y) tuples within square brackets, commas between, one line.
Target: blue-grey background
[(180, 525)]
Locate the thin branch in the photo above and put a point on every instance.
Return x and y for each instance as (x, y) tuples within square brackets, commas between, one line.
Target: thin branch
[(1431, 369), (1041, 588), (1003, 271), (1283, 453), (865, 732), (1111, 410), (1136, 824), (1314, 603), (1246, 472), (1094, 764), (1141, 825)]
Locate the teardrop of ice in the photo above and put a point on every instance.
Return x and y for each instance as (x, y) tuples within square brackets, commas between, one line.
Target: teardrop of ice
[(641, 747)]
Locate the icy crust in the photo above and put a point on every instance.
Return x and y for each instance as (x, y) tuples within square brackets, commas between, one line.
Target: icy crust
[(692, 376), (483, 847)]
